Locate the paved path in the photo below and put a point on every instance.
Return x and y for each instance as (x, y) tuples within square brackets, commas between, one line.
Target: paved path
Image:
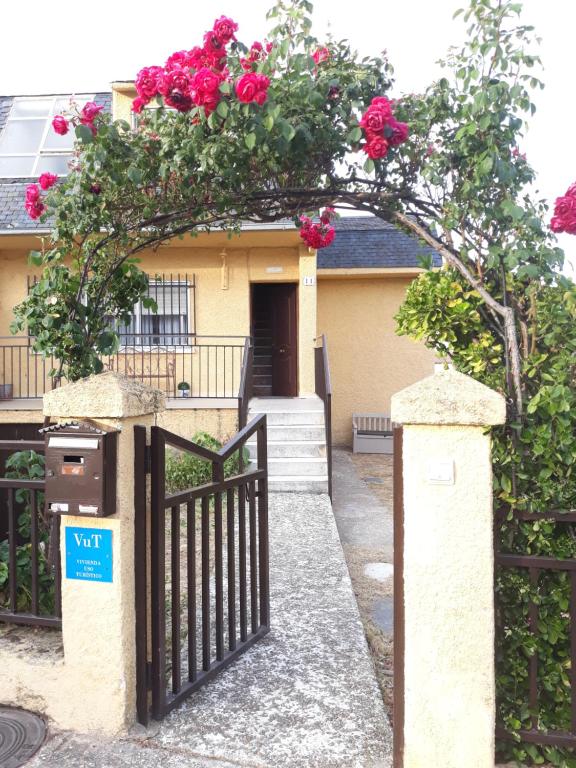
[(304, 697)]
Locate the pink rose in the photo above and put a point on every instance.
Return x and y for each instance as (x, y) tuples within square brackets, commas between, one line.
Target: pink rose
[(376, 147), (34, 205), (224, 29), (60, 125), (196, 58), (47, 180), (177, 59), (320, 55), (147, 82), (398, 132)]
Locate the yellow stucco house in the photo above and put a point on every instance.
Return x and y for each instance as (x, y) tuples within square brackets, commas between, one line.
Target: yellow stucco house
[(234, 315)]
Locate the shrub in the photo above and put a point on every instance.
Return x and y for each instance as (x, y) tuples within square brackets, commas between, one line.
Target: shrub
[(185, 470)]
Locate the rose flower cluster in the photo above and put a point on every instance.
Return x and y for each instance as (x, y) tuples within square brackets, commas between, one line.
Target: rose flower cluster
[(318, 235), (87, 116), (381, 129), (34, 204), (193, 78), (564, 219)]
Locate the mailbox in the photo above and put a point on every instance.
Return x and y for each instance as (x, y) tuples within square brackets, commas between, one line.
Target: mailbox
[(80, 470)]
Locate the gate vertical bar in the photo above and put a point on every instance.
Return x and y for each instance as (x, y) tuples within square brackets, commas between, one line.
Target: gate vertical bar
[(158, 573), (140, 574), (263, 547), (191, 564), (398, 601)]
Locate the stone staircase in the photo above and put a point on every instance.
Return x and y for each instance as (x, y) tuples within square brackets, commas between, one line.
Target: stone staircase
[(296, 443)]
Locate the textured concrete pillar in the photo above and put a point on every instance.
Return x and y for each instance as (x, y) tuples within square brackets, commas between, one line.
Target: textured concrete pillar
[(449, 698), (307, 293), (98, 618)]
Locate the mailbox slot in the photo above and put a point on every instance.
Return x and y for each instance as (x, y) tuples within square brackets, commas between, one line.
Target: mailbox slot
[(80, 470)]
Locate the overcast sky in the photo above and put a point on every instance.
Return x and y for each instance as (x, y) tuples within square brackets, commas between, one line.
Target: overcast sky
[(66, 46)]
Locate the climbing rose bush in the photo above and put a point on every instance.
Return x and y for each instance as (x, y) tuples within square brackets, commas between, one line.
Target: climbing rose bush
[(318, 234)]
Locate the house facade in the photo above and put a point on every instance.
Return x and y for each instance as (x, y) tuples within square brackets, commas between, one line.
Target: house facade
[(261, 290)]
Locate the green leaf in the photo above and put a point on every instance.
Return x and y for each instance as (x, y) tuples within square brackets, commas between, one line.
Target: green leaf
[(222, 109), (268, 122), (369, 166), (225, 87), (84, 133), (250, 140), (35, 258), (288, 130), (134, 174), (355, 135)]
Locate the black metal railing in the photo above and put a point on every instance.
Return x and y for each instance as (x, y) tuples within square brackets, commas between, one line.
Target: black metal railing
[(179, 364), (210, 597), (246, 390), (31, 593), (324, 392), (539, 572)]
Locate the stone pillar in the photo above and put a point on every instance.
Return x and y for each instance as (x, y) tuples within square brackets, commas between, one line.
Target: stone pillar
[(98, 619), (449, 697), (307, 293)]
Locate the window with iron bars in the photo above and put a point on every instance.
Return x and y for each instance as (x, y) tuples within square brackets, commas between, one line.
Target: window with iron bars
[(174, 322)]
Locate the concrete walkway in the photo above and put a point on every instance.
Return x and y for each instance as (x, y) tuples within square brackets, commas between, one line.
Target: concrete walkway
[(362, 520), (304, 697)]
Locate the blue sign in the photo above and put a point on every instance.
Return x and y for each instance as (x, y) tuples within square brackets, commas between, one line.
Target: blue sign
[(89, 554)]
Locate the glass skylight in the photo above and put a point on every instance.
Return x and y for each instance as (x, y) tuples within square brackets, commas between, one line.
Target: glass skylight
[(28, 144)]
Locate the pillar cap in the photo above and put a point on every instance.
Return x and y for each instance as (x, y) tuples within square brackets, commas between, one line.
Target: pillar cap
[(448, 397), (104, 395)]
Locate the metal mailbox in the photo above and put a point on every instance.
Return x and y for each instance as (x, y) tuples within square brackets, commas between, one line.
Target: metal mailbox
[(80, 470)]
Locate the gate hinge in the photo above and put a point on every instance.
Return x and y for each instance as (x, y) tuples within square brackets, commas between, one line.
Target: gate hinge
[(148, 459), (148, 675)]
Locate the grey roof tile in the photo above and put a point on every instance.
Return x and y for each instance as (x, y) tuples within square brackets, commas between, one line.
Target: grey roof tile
[(366, 241)]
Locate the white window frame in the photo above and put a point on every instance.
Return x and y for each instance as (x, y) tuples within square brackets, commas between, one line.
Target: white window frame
[(49, 117)]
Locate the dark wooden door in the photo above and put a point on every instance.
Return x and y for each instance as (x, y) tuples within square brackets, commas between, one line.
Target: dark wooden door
[(283, 306)]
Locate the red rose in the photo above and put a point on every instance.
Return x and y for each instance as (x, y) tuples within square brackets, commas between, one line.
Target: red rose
[(175, 88), (138, 105), (196, 58), (90, 112), (35, 210), (95, 189), (571, 191), (32, 193), (214, 53), (60, 125), (376, 117), (252, 87), (564, 219), (320, 55), (177, 59), (206, 80), (147, 83), (376, 147), (316, 235), (47, 180), (398, 132), (327, 215), (224, 29)]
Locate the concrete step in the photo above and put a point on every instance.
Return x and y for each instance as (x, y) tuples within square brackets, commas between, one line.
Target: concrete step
[(291, 449), (290, 418), (295, 432), (293, 484), (297, 467)]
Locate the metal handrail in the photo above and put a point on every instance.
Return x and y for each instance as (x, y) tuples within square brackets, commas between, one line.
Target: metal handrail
[(323, 388)]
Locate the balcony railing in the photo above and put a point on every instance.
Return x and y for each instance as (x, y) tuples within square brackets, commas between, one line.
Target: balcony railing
[(181, 365)]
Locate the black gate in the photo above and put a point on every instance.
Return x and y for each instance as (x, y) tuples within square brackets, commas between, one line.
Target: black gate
[(207, 568)]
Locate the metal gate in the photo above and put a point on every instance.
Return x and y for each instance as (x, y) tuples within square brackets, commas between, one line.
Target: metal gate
[(202, 576)]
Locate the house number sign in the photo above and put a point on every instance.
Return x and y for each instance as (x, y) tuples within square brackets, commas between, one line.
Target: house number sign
[(89, 554)]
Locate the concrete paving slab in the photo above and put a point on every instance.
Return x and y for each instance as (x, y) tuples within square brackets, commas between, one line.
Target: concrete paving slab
[(305, 696)]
